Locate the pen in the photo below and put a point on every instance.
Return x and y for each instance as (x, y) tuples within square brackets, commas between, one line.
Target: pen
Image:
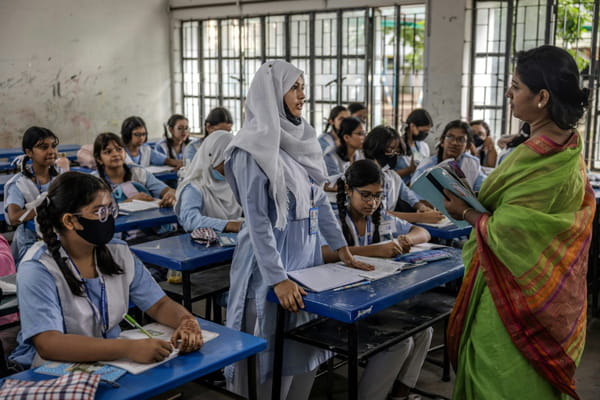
[(110, 383), (136, 325), (353, 285)]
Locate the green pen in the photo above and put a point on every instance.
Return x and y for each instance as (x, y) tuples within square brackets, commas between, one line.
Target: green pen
[(136, 325)]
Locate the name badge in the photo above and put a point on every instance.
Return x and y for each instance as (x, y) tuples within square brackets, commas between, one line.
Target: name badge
[(313, 221), (386, 228)]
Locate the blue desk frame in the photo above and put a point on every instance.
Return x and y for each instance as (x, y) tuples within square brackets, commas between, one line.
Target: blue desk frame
[(352, 305), (231, 346)]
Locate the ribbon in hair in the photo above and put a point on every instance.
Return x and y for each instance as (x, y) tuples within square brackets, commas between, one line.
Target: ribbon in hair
[(32, 205)]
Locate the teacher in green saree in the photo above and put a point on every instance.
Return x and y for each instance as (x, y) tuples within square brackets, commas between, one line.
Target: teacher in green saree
[(517, 330)]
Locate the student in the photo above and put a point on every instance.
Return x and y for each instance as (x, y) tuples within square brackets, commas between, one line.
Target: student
[(361, 215), (204, 198), (75, 286), (218, 119), (358, 110), (128, 182), (351, 136), (7, 267), (513, 141), (330, 140), (455, 140), (39, 145), (381, 146), (177, 138), (135, 135), (413, 146), (483, 144), (275, 168)]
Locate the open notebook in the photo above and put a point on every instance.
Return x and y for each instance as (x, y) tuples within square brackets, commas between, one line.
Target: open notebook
[(138, 205)]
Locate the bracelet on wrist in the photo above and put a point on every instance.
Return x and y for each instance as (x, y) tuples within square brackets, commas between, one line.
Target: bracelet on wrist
[(465, 211)]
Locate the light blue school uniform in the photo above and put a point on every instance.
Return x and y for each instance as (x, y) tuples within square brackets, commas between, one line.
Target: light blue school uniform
[(141, 179), (146, 156), (395, 188), (162, 147), (329, 155), (468, 163), (190, 211), (40, 307), (420, 152), (264, 255), (191, 150)]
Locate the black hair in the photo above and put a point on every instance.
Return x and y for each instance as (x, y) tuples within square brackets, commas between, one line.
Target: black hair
[(216, 116), (482, 123), (347, 126), (522, 137), (31, 137), (377, 140), (356, 107), (68, 193), (456, 124), (418, 117), (360, 173), (554, 69), (171, 124), (129, 125), (103, 140), (335, 111)]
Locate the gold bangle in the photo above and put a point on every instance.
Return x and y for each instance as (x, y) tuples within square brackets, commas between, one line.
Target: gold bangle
[(465, 211)]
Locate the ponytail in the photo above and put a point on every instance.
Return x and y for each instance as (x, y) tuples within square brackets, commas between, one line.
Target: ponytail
[(376, 218), (343, 211)]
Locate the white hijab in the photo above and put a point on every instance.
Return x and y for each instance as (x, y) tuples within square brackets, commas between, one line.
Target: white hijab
[(219, 201), (267, 131)]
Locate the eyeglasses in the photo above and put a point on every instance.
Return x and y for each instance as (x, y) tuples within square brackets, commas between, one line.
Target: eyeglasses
[(103, 212), (45, 146), (139, 135), (459, 139), (368, 196), (183, 128), (361, 133)]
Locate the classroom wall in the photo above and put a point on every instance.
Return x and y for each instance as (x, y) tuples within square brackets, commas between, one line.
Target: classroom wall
[(79, 67)]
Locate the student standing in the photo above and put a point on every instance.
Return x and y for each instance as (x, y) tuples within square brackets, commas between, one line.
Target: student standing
[(135, 135), (39, 145), (275, 168), (75, 286)]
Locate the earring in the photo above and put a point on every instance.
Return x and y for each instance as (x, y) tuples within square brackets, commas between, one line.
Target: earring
[(539, 105)]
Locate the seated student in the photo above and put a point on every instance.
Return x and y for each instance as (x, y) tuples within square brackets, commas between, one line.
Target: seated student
[(360, 213), (381, 146), (39, 145), (135, 135), (413, 145), (329, 139), (358, 110), (218, 119), (512, 141), (177, 138), (127, 181), (8, 336), (351, 136), (455, 140), (75, 286), (204, 198), (483, 144)]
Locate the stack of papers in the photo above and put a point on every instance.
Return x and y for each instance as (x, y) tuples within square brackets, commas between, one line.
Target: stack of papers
[(138, 205), (157, 169), (326, 276)]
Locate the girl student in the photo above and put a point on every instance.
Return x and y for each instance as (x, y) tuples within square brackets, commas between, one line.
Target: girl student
[(135, 135), (330, 140), (483, 144), (218, 119), (127, 181), (39, 145), (381, 146), (177, 137), (76, 285), (455, 140), (204, 198), (369, 232), (413, 145)]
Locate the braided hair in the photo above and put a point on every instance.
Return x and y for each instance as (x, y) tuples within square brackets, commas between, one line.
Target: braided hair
[(335, 111), (31, 137), (68, 193), (347, 126), (101, 142), (360, 173), (171, 124)]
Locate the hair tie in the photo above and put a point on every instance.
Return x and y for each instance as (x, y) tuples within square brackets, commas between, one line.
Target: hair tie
[(18, 161), (32, 205)]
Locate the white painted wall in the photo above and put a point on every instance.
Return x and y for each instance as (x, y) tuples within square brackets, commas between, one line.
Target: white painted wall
[(79, 67)]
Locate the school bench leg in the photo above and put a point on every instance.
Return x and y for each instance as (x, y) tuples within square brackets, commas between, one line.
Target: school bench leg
[(278, 356)]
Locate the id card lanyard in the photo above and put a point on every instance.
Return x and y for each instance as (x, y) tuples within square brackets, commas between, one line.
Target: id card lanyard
[(355, 234), (313, 212), (102, 314)]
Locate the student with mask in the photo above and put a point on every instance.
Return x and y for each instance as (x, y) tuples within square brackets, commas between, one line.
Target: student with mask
[(413, 146), (483, 144)]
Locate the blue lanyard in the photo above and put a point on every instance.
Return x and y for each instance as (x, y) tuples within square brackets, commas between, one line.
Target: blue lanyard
[(37, 182), (367, 232), (103, 314)]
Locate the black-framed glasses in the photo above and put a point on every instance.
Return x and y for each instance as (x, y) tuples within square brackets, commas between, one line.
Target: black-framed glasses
[(139, 135), (456, 139), (103, 212), (365, 195)]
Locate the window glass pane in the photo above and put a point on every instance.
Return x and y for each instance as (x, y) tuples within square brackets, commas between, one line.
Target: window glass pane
[(191, 109), (326, 34), (275, 31), (299, 35), (210, 38), (191, 78)]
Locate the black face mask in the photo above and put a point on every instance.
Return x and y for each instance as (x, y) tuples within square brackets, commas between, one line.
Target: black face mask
[(388, 160), (97, 232), (478, 141), (293, 119), (421, 136)]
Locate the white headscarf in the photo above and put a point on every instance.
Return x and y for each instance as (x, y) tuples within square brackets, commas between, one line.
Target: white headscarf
[(267, 131), (219, 201)]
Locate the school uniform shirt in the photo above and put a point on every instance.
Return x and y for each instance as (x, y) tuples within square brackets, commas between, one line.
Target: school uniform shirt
[(390, 227), (190, 211), (395, 188), (162, 147), (468, 163), (328, 148), (146, 156), (420, 152), (141, 181), (339, 166), (47, 304), (191, 150)]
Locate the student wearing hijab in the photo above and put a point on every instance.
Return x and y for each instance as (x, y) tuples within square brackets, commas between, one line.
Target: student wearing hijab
[(204, 198), (276, 170)]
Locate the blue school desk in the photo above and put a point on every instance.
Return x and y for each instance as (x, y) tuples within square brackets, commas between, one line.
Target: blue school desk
[(14, 152), (229, 347), (352, 305), (3, 179), (163, 176), (2, 211), (181, 253)]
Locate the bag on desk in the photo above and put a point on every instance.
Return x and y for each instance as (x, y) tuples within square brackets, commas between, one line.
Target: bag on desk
[(205, 236)]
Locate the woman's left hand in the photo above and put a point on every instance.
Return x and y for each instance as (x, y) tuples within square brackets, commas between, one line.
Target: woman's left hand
[(455, 206), (168, 199), (350, 261), (188, 336)]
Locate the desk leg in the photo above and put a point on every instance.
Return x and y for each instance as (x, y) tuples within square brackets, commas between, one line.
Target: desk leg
[(352, 361), (252, 395), (187, 290), (278, 357)]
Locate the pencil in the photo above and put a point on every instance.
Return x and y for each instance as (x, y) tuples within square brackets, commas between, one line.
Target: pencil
[(352, 285), (135, 324)]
